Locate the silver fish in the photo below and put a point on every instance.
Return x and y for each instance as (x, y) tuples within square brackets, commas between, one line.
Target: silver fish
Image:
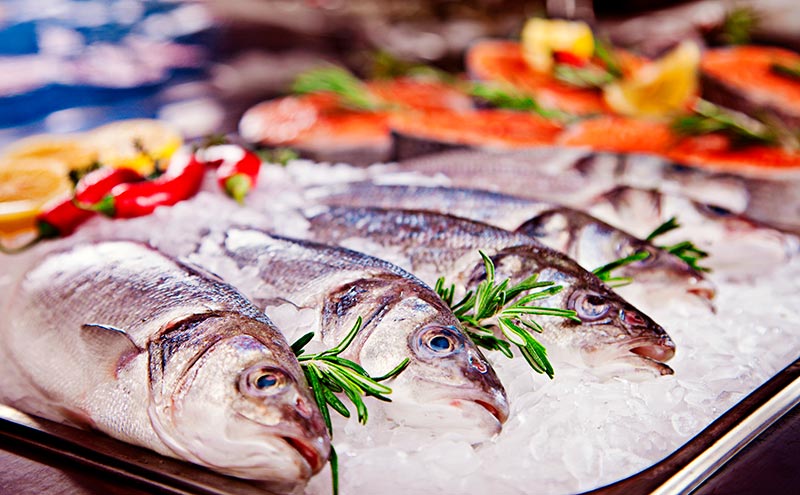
[(122, 339), (611, 331), (737, 243), (448, 380), (588, 240), (573, 177)]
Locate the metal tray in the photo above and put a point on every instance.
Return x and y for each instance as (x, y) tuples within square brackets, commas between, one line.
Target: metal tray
[(681, 472)]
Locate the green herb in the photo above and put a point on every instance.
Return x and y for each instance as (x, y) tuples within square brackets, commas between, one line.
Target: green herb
[(352, 92), (492, 303), (590, 76), (513, 100), (662, 229), (281, 156), (605, 53), (604, 272), (387, 66), (791, 71), (741, 128), (329, 374), (738, 26), (685, 250), (77, 174)]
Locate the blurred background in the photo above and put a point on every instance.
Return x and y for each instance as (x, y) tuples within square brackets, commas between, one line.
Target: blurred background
[(71, 65)]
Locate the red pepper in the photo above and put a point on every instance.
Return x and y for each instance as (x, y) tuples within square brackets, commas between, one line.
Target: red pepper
[(181, 181), (237, 171), (568, 58), (62, 218)]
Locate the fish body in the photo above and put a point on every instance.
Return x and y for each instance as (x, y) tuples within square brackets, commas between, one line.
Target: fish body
[(117, 337), (433, 245), (447, 377), (737, 244), (588, 240)]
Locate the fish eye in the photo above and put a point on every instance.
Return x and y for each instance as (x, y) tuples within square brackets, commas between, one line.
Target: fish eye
[(439, 340), (589, 306), (261, 381), (714, 210), (629, 249)]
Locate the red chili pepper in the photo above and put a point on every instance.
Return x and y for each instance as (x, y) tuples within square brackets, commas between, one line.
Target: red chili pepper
[(181, 181), (237, 171), (62, 218), (568, 58)]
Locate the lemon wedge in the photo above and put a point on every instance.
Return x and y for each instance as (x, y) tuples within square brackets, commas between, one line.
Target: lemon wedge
[(26, 185), (542, 37), (136, 143), (660, 88), (69, 149)]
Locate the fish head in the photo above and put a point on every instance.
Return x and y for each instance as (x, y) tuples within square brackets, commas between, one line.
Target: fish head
[(229, 394), (447, 382), (594, 243), (610, 331)]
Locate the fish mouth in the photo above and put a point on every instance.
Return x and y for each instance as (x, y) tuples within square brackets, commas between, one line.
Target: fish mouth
[(653, 353), (311, 455), (499, 413)]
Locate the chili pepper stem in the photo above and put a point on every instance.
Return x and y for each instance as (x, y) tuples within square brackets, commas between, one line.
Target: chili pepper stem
[(104, 206), (237, 186)]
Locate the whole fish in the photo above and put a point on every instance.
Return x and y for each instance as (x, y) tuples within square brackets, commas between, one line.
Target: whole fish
[(588, 240), (574, 177), (448, 380), (737, 243), (433, 245), (119, 338)]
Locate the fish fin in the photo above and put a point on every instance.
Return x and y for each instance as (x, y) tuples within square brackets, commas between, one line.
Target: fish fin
[(195, 269), (106, 340)]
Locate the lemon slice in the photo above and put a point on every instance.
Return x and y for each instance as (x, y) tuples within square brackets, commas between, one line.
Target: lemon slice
[(136, 143), (542, 37), (69, 149), (26, 185), (658, 89)]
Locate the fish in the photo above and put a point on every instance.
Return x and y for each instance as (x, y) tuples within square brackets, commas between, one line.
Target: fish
[(577, 177), (588, 240), (447, 383), (502, 61), (611, 333), (117, 337), (743, 78), (320, 127), (424, 132), (739, 244)]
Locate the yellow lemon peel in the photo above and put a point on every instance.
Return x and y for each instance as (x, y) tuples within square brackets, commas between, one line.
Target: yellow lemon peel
[(135, 144), (659, 89), (542, 37), (26, 185)]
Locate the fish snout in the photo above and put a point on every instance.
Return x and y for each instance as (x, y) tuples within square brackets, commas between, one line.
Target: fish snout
[(314, 450), (660, 350)]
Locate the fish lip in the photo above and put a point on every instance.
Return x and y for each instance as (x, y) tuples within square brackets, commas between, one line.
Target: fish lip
[(657, 350), (308, 453), (500, 414)]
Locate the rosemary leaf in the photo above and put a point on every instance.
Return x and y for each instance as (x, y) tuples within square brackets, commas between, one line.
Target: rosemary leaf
[(604, 272), (790, 71), (590, 76), (352, 92), (742, 129)]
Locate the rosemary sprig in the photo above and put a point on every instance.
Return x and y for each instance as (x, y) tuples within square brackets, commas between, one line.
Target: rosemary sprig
[(385, 65), (493, 304), (604, 272), (604, 52), (352, 92), (791, 71), (281, 156), (513, 100), (329, 374), (738, 26), (590, 76), (685, 250), (708, 117)]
